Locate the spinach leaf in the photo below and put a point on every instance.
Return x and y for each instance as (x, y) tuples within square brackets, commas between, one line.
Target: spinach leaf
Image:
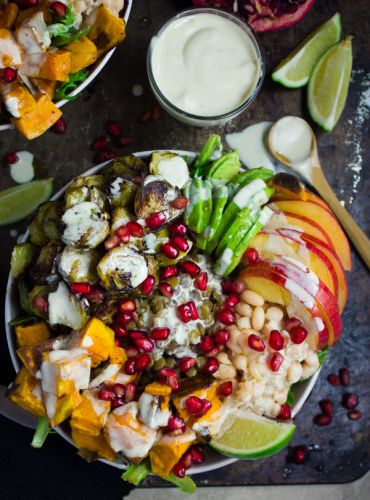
[(66, 88)]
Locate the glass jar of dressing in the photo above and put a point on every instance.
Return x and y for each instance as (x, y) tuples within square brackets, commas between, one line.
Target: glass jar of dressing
[(205, 66)]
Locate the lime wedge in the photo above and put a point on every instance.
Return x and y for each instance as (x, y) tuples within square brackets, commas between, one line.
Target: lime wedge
[(19, 201), (249, 436), (328, 85), (295, 70)]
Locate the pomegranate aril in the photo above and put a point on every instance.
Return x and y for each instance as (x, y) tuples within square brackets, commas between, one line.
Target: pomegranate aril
[(58, 9), (123, 234), (231, 301), (155, 113), (226, 317), (169, 251), (178, 229), (193, 309), (197, 455), (119, 330), (112, 242), (179, 470), (160, 333), (105, 156), (114, 128), (252, 255), (193, 405), (147, 285), (144, 344), (206, 343), (124, 141), (81, 288), (291, 323), (299, 454), (99, 144), (354, 415), (9, 74), (172, 382), (169, 272), (175, 424), (117, 342), (117, 402), (129, 366), (285, 412), (40, 303), (237, 286), (186, 363), (135, 229), (187, 460), (130, 392), (137, 334), (210, 366), (326, 407), (222, 336), (166, 289), (298, 334), (180, 243), (142, 361), (59, 127), (344, 376), (11, 158), (225, 389), (226, 286), (155, 220), (184, 313), (256, 343), (106, 394), (146, 117), (276, 361), (349, 400), (123, 318), (276, 340), (180, 203), (189, 267), (167, 372), (119, 390), (213, 352), (132, 351), (206, 406), (95, 295), (127, 305), (201, 281), (322, 419), (334, 380)]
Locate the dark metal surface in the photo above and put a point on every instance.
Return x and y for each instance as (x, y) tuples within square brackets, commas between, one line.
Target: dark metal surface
[(341, 451)]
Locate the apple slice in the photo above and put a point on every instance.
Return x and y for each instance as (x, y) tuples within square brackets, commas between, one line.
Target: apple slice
[(327, 221), (308, 226), (316, 199)]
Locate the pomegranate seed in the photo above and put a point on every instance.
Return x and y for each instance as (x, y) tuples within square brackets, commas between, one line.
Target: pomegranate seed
[(285, 412), (186, 363), (210, 366), (171, 382), (40, 303), (160, 333), (99, 144), (256, 343), (344, 376), (132, 352), (11, 158), (333, 380), (206, 406), (144, 344), (237, 286), (354, 415), (105, 156), (179, 470), (123, 318), (137, 334), (114, 128), (127, 306), (142, 361), (178, 229), (58, 9), (106, 395), (275, 361), (112, 242), (222, 336), (197, 455), (291, 323), (326, 406), (226, 286), (81, 288), (167, 372), (135, 229), (231, 301), (322, 420), (129, 366), (180, 203), (180, 243), (119, 390), (146, 117), (194, 405), (184, 313), (9, 74), (60, 127), (299, 454), (225, 389), (189, 267), (147, 285), (117, 342), (187, 459), (213, 352), (123, 234), (276, 340), (206, 343), (96, 295), (117, 402), (194, 311), (155, 113), (130, 392), (120, 331), (169, 251), (201, 281), (252, 255), (169, 272), (124, 141), (175, 424), (226, 317), (349, 400), (155, 220), (298, 334), (166, 289)]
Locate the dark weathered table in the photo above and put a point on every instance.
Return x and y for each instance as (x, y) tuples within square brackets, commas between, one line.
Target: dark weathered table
[(341, 451)]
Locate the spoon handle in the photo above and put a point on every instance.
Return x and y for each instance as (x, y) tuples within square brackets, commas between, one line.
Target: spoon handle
[(354, 232)]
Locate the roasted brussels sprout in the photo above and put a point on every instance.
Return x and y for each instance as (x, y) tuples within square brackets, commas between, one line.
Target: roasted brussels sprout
[(106, 309), (45, 269), (66, 309), (170, 167), (37, 300), (51, 220), (88, 188), (79, 266), (120, 217), (151, 242), (21, 258), (85, 225)]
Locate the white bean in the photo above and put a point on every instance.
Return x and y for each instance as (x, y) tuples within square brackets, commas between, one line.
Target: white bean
[(252, 298), (245, 391), (222, 357), (233, 342), (294, 373), (312, 359), (244, 322), (258, 318), (274, 313), (280, 396), (276, 410), (257, 370), (240, 362), (308, 371), (244, 309), (259, 389), (225, 372)]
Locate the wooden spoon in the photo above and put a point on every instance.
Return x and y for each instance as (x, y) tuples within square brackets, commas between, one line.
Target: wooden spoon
[(292, 141)]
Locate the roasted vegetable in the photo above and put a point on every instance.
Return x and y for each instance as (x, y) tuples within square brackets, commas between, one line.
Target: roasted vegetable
[(32, 334), (15, 92), (66, 309), (79, 266), (97, 444), (26, 392), (45, 269), (106, 30), (8, 15), (59, 409), (39, 119), (31, 356), (21, 258), (122, 177), (44, 226), (168, 451), (85, 189), (89, 417), (83, 53), (171, 167), (96, 338), (37, 300)]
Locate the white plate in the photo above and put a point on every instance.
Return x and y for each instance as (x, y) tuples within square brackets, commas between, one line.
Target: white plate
[(214, 460), (98, 66)]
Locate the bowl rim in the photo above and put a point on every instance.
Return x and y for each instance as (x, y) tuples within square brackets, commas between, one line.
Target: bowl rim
[(97, 68), (10, 338)]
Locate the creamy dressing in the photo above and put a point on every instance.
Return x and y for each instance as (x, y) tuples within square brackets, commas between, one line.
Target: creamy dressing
[(291, 140), (205, 64), (174, 170), (86, 225), (125, 261), (23, 170), (244, 195), (151, 413), (105, 374), (77, 265), (65, 308)]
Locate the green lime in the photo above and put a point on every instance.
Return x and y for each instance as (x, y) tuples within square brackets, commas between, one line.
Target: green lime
[(19, 201), (249, 436), (328, 85), (295, 70)]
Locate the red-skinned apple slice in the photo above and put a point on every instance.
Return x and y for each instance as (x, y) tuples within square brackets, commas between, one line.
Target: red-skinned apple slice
[(317, 213), (316, 199), (307, 226)]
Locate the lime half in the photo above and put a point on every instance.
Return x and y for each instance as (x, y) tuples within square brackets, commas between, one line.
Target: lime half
[(328, 85), (18, 202), (295, 70), (249, 436)]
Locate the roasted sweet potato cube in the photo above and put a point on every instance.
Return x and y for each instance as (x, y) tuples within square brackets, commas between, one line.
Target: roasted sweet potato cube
[(89, 417), (38, 120), (59, 409), (26, 392), (117, 355), (31, 356), (18, 100), (168, 451), (47, 87), (107, 30), (97, 444), (32, 334), (55, 64), (83, 53), (158, 389), (97, 339), (207, 392), (8, 15)]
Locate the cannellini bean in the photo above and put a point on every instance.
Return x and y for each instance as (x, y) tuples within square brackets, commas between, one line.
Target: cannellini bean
[(240, 362), (233, 342), (222, 357), (225, 372), (244, 309), (308, 371), (280, 396), (256, 369), (274, 313), (269, 391), (244, 322), (312, 359), (245, 391), (258, 318), (266, 404), (252, 298), (259, 388), (275, 410), (294, 373)]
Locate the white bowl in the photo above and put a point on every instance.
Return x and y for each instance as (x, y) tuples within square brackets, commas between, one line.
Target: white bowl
[(96, 69), (213, 459)]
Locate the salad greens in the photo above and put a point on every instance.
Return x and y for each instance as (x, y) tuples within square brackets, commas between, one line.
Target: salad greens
[(64, 32), (74, 81), (41, 432)]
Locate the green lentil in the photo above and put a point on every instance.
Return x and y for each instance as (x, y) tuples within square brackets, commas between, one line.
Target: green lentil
[(200, 361), (160, 363), (192, 372)]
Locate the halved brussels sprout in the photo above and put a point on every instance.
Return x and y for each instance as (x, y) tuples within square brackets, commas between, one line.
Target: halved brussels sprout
[(79, 266), (66, 309), (51, 220), (45, 269), (37, 234), (106, 309), (21, 258), (120, 217), (39, 292), (170, 167), (86, 225), (151, 242), (88, 188)]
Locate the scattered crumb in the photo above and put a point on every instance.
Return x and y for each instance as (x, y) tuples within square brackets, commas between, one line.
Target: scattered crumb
[(137, 90), (13, 233), (342, 202)]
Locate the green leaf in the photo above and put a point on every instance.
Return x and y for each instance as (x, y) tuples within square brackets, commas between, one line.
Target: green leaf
[(23, 296), (137, 472), (63, 32), (290, 398), (186, 484), (322, 355), (22, 320), (74, 81), (41, 432), (71, 35)]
